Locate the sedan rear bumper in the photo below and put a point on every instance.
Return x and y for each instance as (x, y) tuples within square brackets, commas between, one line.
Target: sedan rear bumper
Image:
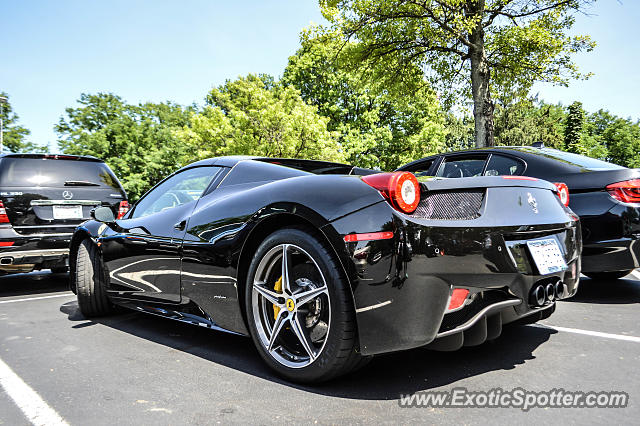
[(612, 255)]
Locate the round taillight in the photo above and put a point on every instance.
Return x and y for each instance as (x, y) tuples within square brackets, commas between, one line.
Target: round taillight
[(405, 191), (402, 189)]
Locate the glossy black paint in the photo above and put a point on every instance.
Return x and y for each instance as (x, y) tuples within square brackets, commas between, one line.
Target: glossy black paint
[(610, 229), (400, 286)]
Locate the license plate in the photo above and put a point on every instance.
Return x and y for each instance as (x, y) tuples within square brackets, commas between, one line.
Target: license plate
[(547, 256), (67, 212)]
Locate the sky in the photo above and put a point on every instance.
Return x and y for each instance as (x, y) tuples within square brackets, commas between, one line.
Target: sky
[(143, 50)]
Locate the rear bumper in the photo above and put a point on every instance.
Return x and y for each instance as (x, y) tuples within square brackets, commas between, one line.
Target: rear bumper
[(612, 255), (34, 251), (402, 286), (416, 285), (611, 231)]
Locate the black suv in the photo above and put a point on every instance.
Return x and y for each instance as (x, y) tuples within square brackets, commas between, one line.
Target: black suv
[(43, 197)]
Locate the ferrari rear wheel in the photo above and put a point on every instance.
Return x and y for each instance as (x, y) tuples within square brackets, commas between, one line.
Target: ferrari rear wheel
[(299, 307), (90, 277)]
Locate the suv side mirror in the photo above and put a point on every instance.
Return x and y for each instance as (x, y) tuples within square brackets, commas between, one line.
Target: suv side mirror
[(103, 214)]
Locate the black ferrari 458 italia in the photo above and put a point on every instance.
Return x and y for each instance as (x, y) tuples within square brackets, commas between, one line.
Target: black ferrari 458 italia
[(605, 196), (325, 265)]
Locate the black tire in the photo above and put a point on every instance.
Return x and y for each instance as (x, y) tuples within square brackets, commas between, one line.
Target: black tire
[(340, 353), (604, 276), (91, 278)]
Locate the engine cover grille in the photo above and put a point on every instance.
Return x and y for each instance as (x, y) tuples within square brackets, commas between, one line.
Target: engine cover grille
[(450, 205)]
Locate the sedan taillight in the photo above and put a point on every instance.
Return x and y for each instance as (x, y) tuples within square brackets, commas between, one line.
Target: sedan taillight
[(400, 188), (563, 192), (627, 191), (3, 214), (123, 209)]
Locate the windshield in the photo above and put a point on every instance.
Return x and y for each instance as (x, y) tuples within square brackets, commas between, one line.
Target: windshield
[(55, 173)]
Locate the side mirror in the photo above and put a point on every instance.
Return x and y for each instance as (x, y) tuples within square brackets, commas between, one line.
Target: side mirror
[(103, 214)]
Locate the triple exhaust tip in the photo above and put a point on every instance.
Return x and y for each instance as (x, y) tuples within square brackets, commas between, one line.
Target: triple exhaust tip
[(543, 294)]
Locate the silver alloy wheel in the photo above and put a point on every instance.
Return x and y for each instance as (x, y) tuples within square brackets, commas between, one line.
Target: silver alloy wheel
[(293, 324)]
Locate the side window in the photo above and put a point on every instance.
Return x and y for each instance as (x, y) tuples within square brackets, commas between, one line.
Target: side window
[(422, 169), (500, 165), (180, 189), (457, 167)]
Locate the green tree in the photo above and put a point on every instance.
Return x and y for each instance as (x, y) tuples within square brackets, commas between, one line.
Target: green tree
[(137, 141), (529, 120), (255, 115), (609, 137), (14, 135), (467, 47), (459, 132), (375, 127), (622, 138), (573, 128)]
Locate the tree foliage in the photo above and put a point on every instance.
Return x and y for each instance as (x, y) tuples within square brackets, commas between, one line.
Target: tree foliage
[(256, 115), (527, 121), (375, 127), (468, 48), (14, 135), (573, 128), (611, 138), (599, 135), (136, 141)]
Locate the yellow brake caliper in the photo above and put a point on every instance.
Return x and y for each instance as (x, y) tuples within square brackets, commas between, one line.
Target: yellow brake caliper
[(278, 288)]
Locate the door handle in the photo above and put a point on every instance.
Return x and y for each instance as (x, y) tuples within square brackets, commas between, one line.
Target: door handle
[(180, 225)]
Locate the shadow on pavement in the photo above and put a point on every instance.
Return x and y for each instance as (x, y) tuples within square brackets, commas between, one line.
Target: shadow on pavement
[(385, 378), (33, 283), (622, 291)]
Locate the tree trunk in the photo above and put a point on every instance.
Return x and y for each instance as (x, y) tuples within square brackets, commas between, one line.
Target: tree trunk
[(483, 106)]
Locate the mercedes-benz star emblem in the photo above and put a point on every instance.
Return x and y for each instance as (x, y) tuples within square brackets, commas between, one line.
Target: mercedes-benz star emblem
[(67, 195), (532, 202)]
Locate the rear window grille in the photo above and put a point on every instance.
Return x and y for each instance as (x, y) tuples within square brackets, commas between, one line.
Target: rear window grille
[(450, 205)]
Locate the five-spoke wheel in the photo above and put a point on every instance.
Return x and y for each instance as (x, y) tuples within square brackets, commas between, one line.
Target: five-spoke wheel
[(291, 305), (300, 309)]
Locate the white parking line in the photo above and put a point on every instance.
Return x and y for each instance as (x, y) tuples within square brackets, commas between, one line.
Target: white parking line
[(592, 333), (636, 274), (36, 298), (30, 403)]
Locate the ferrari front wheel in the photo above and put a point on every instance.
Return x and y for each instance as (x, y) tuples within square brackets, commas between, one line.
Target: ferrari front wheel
[(299, 307), (90, 281)]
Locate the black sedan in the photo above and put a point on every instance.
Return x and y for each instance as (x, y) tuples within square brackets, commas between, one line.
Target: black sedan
[(325, 265), (605, 196)]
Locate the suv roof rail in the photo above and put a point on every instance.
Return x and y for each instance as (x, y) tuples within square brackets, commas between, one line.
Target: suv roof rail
[(538, 144)]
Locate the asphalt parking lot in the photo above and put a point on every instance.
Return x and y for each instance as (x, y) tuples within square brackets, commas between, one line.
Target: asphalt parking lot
[(136, 369)]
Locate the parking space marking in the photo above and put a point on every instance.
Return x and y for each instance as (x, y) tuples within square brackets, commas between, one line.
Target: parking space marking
[(36, 298), (591, 333), (28, 401), (636, 274)]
